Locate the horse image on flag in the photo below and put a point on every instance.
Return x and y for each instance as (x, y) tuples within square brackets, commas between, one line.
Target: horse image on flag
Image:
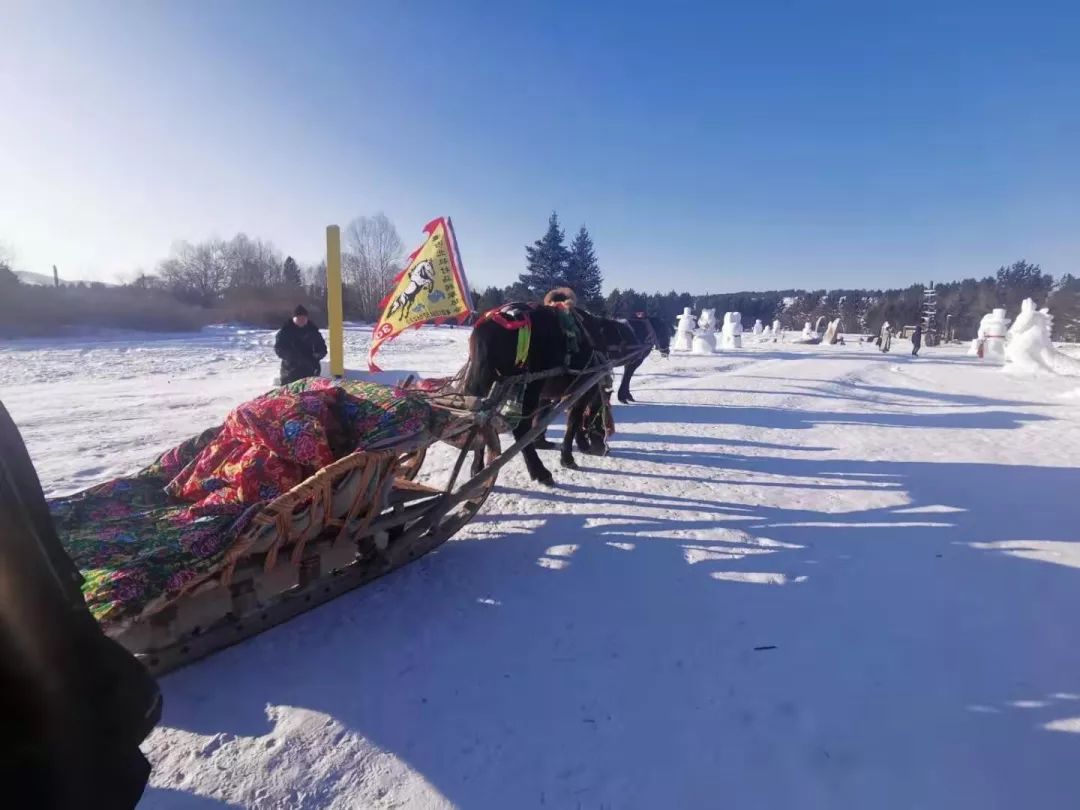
[(422, 277), (430, 289)]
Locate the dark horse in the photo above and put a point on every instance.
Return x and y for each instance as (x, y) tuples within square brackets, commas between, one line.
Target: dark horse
[(620, 341), (493, 356), (648, 331), (592, 431)]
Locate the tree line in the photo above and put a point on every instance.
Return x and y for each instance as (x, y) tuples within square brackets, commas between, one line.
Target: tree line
[(242, 280), (248, 280), (960, 304)]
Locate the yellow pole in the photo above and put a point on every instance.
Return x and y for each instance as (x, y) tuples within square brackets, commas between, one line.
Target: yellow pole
[(333, 301)]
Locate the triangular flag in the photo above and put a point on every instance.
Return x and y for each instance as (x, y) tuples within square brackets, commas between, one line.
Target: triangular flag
[(431, 289)]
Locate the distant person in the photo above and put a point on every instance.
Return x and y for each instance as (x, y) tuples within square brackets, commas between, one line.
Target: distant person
[(916, 341), (300, 347), (885, 337)]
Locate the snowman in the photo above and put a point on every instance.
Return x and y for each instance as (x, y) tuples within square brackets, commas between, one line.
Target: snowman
[(731, 335), (705, 335), (990, 343), (684, 332)]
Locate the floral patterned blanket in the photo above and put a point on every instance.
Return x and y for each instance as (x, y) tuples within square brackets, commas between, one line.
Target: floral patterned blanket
[(147, 538)]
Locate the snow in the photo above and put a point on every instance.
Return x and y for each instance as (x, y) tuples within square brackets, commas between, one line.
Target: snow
[(807, 576)]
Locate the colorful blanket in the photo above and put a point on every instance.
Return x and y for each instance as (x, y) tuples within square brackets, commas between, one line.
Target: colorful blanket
[(154, 535)]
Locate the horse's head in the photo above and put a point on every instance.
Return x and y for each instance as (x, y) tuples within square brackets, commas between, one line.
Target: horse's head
[(424, 275)]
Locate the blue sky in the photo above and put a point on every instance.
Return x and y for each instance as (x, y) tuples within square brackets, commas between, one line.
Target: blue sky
[(707, 146)]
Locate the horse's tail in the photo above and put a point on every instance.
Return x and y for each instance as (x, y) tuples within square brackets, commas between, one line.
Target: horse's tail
[(479, 374)]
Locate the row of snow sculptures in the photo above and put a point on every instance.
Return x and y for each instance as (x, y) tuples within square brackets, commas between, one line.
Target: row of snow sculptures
[(700, 338), (731, 335), (705, 336), (1029, 347), (684, 332), (770, 332), (989, 345)]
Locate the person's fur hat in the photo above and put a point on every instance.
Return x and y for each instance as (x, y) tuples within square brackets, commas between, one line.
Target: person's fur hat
[(560, 294)]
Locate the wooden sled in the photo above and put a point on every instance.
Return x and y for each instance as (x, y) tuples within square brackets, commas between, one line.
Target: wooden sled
[(355, 520)]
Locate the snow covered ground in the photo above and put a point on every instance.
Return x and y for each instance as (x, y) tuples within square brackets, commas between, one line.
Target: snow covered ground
[(809, 576)]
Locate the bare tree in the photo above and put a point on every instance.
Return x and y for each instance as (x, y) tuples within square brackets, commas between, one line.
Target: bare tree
[(252, 263), (372, 257), (197, 273), (314, 275)]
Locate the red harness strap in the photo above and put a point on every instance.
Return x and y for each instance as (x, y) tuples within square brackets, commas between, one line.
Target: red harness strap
[(508, 317), (514, 319)]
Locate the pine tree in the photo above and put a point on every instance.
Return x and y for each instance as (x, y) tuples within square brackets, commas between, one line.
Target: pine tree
[(611, 306), (1022, 280), (488, 299), (1065, 307), (583, 274), (546, 261), (290, 273)]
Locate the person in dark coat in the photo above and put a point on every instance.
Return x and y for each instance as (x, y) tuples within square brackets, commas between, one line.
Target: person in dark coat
[(75, 704), (916, 341), (300, 347)]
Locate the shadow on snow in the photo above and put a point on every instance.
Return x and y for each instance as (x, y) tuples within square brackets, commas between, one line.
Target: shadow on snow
[(773, 656)]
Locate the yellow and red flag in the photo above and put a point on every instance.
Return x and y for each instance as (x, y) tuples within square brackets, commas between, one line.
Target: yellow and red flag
[(431, 288)]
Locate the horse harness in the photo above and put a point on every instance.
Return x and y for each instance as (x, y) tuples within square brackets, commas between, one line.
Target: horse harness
[(518, 317)]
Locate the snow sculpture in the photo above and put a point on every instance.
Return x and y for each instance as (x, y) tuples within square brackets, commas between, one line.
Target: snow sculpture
[(808, 332), (990, 341), (731, 334), (705, 335), (1028, 346), (759, 330), (832, 333), (766, 334), (684, 331)]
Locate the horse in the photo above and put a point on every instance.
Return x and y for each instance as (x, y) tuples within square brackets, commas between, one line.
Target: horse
[(655, 332), (591, 430), (494, 355), (422, 277)]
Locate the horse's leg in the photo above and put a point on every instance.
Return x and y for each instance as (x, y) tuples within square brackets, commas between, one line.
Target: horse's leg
[(582, 436), (624, 387), (581, 432), (597, 427), (530, 402), (542, 442), (573, 429), (597, 443)]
